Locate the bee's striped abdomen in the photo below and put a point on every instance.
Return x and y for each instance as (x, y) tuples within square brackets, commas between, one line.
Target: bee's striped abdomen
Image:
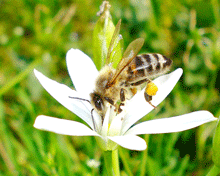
[(148, 65)]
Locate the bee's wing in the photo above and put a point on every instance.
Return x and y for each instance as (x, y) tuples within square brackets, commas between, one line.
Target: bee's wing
[(129, 54), (114, 43)]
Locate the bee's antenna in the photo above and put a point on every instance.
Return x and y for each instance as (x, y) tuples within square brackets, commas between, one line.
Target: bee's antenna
[(91, 110), (80, 99)]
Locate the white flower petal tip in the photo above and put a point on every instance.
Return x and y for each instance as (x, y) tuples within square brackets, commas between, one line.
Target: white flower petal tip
[(172, 124), (131, 142), (82, 70), (36, 72), (61, 93), (180, 70), (165, 84), (62, 126)]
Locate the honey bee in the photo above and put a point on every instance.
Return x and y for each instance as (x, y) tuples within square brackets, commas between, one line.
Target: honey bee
[(115, 86)]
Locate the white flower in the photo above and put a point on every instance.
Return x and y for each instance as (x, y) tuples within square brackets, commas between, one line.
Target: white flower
[(116, 129), (92, 163)]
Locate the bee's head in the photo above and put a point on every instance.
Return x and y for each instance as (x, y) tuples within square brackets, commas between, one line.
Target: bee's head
[(98, 103)]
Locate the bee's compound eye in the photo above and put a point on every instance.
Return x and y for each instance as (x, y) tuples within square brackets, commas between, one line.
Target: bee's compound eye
[(98, 102)]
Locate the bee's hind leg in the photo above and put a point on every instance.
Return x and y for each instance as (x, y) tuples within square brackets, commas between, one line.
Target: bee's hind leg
[(148, 98), (150, 91)]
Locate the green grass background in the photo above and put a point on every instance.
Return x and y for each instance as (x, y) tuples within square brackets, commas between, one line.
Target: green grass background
[(37, 34)]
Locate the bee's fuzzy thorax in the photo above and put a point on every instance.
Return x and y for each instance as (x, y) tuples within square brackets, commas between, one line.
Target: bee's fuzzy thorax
[(105, 75)]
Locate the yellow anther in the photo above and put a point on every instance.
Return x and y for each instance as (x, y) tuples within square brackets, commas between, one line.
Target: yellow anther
[(151, 89)]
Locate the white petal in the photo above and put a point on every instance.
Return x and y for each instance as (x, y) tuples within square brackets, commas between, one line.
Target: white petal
[(82, 70), (63, 126), (115, 127), (172, 124), (97, 120), (61, 93), (131, 142), (105, 125), (138, 107)]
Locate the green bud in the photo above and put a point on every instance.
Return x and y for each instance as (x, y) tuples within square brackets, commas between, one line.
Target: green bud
[(216, 145), (102, 36)]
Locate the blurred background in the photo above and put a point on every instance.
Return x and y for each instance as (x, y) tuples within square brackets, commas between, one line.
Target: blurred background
[(37, 34)]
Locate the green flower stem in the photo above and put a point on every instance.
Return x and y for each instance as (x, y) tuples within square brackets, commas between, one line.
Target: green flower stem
[(111, 162), (115, 162), (108, 162), (214, 171)]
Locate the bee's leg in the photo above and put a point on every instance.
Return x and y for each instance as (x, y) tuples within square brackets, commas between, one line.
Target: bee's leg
[(148, 98), (109, 100), (150, 91), (122, 98), (122, 95), (133, 91)]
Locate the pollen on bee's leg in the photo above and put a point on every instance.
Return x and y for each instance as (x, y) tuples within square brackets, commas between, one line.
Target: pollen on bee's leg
[(151, 89)]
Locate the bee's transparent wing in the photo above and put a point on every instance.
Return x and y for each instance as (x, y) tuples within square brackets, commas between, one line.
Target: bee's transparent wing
[(131, 51), (115, 41)]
